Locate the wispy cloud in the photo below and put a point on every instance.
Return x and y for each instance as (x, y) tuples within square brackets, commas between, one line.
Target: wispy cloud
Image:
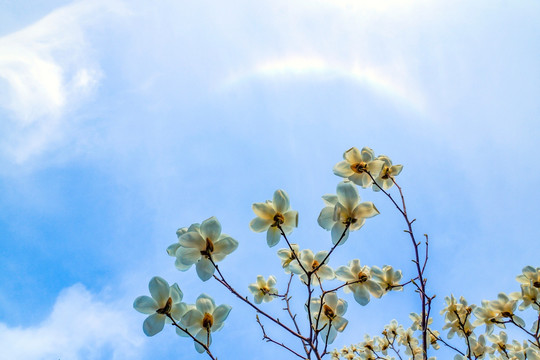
[(47, 69), (81, 326)]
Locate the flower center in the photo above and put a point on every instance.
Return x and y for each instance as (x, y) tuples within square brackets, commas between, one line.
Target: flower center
[(386, 172), (278, 220), (506, 314), (209, 248), (328, 312), (208, 321), (265, 290), (362, 277), (359, 167), (166, 310), (315, 264), (536, 284)]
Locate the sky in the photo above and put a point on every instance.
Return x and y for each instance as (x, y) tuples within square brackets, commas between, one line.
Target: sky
[(121, 121)]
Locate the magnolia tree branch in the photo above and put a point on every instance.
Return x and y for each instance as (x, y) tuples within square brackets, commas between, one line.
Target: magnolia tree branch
[(269, 339)]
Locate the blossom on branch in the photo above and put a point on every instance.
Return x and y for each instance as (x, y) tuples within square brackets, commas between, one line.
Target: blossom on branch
[(203, 245), (357, 164), (274, 214), (327, 316), (309, 262), (362, 283), (165, 301), (287, 256), (388, 171), (344, 213), (264, 290), (203, 320)]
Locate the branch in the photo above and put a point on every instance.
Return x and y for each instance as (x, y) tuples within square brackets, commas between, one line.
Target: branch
[(205, 346), (269, 339)]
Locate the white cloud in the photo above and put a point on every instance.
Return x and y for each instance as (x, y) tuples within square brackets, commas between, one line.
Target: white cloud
[(80, 327), (47, 69)]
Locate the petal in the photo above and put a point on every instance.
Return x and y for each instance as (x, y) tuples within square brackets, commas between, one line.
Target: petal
[(347, 195), (396, 170), (330, 200), (153, 324), (307, 256), (205, 269), (205, 304), (357, 224), (340, 323), (358, 179), (374, 288), (332, 334), (204, 337), (281, 201), (220, 314), (367, 154), (331, 299), (211, 228), (188, 256), (361, 295), (159, 289), (343, 169), (291, 218), (344, 273), (175, 293), (365, 210), (192, 318), (145, 305), (225, 246), (264, 210), (353, 155), (273, 236), (171, 250), (178, 310), (180, 266), (192, 239), (271, 281), (341, 307), (337, 233), (325, 272), (295, 267), (326, 218), (259, 224)]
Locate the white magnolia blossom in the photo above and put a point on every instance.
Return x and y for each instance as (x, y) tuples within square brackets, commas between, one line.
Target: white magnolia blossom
[(344, 213), (173, 248), (530, 276), (203, 320), (387, 277), (387, 173), (362, 283), (201, 245), (328, 316), (165, 300), (309, 262), (264, 290), (286, 256), (272, 214), (357, 164)]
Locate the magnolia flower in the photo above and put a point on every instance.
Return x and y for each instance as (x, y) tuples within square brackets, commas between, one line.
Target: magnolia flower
[(417, 321), (530, 276), (310, 262), (328, 316), (529, 296), (204, 319), (434, 335), (387, 173), (202, 244), (165, 301), (343, 213), (479, 348), (357, 165), (506, 308), (362, 284), (173, 248), (387, 277), (272, 214), (499, 342), (286, 256), (264, 290)]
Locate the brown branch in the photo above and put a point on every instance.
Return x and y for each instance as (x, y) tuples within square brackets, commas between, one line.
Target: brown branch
[(205, 346), (269, 339)]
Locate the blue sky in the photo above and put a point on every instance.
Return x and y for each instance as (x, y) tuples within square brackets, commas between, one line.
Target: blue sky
[(122, 121)]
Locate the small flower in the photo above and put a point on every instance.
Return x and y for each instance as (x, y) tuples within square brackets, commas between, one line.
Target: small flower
[(530, 276), (388, 171), (387, 277), (344, 213), (201, 245), (310, 262), (173, 248), (328, 316), (357, 165), (274, 214), (362, 284), (264, 290), (203, 320), (417, 321), (286, 256), (165, 301)]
